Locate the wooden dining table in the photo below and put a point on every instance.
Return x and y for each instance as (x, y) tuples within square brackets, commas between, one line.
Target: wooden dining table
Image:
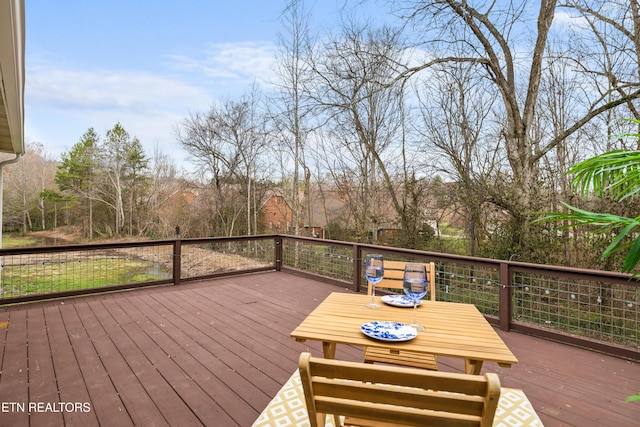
[(452, 329)]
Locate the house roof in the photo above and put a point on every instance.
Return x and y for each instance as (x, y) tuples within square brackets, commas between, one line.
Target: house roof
[(12, 48)]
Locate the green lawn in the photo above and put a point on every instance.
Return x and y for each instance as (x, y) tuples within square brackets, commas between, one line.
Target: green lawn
[(18, 241), (42, 278)]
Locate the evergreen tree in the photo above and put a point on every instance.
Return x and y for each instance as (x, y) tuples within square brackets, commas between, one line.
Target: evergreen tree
[(76, 176), (126, 168)]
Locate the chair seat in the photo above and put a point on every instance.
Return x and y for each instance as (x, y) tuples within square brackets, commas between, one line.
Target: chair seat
[(404, 358)]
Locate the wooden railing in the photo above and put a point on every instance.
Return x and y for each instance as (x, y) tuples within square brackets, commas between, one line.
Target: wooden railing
[(34, 273), (589, 308)]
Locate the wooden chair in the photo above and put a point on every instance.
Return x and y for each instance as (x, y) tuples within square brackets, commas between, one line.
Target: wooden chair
[(393, 275), (384, 396)]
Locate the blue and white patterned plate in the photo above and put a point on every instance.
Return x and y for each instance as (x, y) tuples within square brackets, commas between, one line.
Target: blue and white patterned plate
[(388, 331), (399, 300)]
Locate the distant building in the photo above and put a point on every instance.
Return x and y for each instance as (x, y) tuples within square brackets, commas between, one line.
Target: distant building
[(276, 214), (325, 213)]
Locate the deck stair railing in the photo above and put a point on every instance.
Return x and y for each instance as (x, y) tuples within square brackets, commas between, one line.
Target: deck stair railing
[(590, 308)]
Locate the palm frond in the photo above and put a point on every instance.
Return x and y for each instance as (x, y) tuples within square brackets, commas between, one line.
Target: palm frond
[(579, 216), (603, 223), (616, 173)]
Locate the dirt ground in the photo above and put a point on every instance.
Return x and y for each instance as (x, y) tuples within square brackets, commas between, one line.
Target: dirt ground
[(69, 235), (195, 261)]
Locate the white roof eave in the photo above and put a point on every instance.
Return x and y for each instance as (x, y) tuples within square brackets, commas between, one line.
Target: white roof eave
[(12, 75)]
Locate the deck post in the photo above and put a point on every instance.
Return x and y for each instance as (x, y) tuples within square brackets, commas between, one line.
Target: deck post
[(177, 261), (357, 266), (505, 297), (277, 243)]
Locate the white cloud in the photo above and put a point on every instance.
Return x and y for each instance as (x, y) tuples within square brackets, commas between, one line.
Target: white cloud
[(61, 103), (230, 63), (565, 19), (106, 89)]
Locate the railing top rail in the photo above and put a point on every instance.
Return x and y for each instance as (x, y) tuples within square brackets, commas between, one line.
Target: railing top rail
[(229, 239), (83, 247), (316, 240), (574, 272), (119, 245)]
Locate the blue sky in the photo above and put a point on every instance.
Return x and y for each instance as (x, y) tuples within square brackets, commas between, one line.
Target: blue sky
[(149, 64), (146, 64)]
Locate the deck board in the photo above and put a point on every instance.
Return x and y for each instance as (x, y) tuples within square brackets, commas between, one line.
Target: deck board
[(94, 375), (214, 352), (130, 339), (130, 390), (42, 377), (15, 371), (193, 364), (71, 385)]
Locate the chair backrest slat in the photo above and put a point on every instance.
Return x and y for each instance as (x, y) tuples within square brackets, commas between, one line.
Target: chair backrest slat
[(396, 395), (394, 273)]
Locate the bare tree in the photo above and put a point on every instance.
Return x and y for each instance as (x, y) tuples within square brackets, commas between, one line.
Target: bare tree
[(289, 111), (610, 39), (455, 105), (248, 130), (226, 144), (199, 137), (25, 182), (492, 34), (167, 199), (367, 121), (560, 105)]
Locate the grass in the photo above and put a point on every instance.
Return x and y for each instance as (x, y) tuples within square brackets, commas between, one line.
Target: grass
[(451, 231), (452, 245), (18, 241), (42, 278)]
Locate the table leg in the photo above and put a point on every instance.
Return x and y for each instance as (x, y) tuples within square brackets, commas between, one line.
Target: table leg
[(472, 366), (329, 350)]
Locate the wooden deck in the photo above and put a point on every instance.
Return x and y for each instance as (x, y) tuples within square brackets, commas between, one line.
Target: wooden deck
[(214, 352)]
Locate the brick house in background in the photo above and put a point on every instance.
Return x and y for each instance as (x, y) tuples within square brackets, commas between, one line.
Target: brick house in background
[(276, 214), (324, 212), (321, 207)]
